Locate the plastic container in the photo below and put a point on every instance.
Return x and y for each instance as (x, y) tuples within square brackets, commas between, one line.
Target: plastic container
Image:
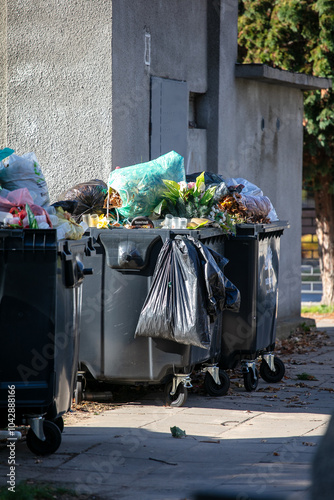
[(40, 308), (253, 267), (112, 301)]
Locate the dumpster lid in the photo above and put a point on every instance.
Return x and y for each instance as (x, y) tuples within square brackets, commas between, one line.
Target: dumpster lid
[(255, 229)]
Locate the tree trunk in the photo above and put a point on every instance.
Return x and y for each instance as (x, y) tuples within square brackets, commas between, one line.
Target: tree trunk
[(324, 208)]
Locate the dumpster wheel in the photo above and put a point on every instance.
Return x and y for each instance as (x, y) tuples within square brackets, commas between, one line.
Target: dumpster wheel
[(177, 399), (80, 387), (59, 421), (214, 389), (251, 380), (269, 375), (52, 439)]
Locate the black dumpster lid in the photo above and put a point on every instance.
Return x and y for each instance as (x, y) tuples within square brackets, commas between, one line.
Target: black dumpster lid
[(255, 229)]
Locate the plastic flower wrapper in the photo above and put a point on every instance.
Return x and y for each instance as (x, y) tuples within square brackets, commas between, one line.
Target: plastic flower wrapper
[(188, 200)]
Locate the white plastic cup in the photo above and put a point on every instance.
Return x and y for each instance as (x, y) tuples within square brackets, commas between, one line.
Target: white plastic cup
[(86, 219), (183, 223), (176, 224), (168, 221)]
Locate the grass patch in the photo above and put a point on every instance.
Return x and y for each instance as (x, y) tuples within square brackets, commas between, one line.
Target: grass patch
[(318, 309), (36, 491)]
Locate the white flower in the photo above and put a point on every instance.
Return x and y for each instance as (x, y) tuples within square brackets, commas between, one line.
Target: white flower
[(183, 186)]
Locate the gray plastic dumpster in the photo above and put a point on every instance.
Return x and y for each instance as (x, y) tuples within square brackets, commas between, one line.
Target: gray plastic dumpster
[(112, 301)]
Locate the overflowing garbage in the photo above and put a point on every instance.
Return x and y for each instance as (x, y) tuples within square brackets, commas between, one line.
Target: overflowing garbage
[(155, 194), (159, 241)]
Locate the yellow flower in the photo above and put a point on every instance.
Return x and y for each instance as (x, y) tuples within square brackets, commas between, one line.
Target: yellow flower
[(103, 222)]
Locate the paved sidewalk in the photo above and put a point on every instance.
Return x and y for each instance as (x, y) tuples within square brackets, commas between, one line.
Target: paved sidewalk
[(250, 443)]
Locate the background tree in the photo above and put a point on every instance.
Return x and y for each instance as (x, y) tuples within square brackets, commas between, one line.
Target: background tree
[(298, 35)]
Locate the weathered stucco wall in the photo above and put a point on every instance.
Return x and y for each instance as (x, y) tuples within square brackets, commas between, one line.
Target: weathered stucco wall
[(3, 73), (261, 139), (178, 51), (78, 88), (59, 87)]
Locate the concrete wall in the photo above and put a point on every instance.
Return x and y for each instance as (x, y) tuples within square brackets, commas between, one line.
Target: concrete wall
[(77, 93), (178, 51), (261, 139), (59, 87), (271, 158), (3, 73)]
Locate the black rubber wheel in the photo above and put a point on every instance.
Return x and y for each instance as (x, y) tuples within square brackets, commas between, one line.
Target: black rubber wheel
[(59, 421), (52, 439), (78, 392), (179, 398), (214, 389), (272, 376), (250, 382)]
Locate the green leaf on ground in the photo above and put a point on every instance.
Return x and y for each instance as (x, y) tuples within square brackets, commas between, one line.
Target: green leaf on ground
[(306, 376)]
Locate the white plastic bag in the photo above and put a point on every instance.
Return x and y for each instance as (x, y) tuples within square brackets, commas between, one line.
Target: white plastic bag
[(25, 172)]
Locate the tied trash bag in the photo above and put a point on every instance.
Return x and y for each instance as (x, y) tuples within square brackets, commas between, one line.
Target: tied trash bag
[(84, 198), (136, 190), (187, 292), (24, 171), (175, 306)]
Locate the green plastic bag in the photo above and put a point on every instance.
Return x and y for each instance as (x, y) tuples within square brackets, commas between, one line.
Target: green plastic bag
[(141, 186)]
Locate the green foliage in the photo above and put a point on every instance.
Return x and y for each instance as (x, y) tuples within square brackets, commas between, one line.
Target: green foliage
[(318, 309), (35, 491), (187, 200), (305, 327), (297, 35)]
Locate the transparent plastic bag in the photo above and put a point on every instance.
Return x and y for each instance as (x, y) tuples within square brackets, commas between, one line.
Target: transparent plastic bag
[(251, 190), (25, 172), (140, 187), (255, 207), (67, 227), (20, 198)]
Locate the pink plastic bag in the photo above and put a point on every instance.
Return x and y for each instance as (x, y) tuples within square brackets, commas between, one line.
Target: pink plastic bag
[(19, 198)]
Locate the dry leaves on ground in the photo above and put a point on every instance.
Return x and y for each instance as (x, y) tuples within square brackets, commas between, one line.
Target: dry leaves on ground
[(304, 339)]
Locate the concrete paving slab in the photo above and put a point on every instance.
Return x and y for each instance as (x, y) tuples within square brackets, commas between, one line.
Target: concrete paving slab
[(256, 442)]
